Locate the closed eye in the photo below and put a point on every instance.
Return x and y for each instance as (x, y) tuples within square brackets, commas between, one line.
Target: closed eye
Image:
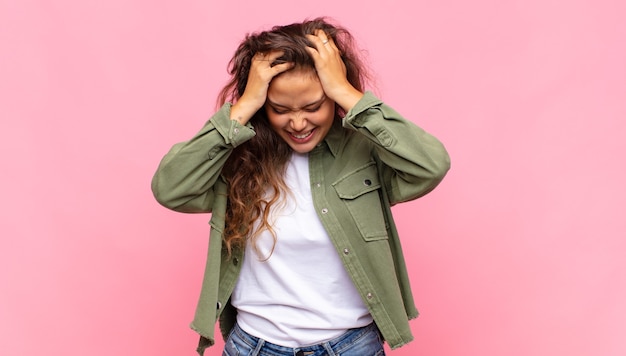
[(313, 109), (279, 112)]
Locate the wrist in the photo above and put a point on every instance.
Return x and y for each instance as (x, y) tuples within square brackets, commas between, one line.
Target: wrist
[(347, 98), (242, 111)]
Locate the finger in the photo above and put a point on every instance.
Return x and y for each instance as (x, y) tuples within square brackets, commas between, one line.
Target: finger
[(325, 38), (267, 57), (318, 44), (322, 41), (283, 67), (331, 45), (322, 36), (313, 53), (273, 55), (259, 60)]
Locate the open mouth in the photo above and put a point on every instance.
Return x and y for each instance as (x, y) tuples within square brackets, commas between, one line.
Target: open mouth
[(303, 137)]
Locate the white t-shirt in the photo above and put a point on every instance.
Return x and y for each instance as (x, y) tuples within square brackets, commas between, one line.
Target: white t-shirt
[(302, 294)]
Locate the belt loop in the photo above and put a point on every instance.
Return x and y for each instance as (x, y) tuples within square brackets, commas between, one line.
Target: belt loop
[(257, 350), (329, 349)]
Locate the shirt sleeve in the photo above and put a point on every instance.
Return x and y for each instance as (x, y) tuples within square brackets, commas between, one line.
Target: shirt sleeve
[(414, 162), (186, 175)]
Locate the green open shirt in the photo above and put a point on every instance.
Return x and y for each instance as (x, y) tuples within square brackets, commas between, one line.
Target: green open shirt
[(370, 160)]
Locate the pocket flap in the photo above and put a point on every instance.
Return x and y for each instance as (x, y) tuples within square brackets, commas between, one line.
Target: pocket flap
[(363, 180)]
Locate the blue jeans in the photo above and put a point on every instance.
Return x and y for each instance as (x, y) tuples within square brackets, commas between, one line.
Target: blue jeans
[(365, 341)]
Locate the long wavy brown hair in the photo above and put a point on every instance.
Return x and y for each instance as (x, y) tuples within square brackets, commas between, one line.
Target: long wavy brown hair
[(255, 169)]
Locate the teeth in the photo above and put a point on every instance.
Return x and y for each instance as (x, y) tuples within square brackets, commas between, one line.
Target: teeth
[(301, 136)]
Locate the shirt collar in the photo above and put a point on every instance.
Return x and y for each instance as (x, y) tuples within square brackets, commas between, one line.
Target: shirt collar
[(334, 137)]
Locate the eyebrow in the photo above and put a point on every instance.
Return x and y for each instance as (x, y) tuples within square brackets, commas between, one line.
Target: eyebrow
[(319, 101)]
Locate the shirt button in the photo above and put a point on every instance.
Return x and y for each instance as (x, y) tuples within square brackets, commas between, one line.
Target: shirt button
[(235, 261), (367, 182), (219, 305), (369, 296), (324, 211), (236, 130), (318, 185), (346, 251)]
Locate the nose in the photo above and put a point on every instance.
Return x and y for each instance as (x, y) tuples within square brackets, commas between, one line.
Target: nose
[(298, 122)]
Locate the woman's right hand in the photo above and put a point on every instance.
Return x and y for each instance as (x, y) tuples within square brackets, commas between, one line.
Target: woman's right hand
[(259, 78)]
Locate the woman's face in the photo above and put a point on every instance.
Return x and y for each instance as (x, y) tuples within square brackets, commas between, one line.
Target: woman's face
[(298, 110)]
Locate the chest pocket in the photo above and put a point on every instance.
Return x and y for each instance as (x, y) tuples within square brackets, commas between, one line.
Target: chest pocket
[(359, 190)]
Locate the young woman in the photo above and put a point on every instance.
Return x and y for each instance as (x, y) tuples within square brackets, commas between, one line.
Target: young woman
[(299, 168)]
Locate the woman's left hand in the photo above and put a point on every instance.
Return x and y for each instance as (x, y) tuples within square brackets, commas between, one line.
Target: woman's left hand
[(332, 71)]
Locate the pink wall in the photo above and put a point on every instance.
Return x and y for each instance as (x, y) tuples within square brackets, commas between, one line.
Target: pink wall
[(521, 250)]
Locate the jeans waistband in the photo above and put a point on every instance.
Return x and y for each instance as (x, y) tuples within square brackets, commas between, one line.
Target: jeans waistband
[(350, 336)]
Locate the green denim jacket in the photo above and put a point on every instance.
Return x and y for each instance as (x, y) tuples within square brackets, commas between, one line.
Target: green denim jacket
[(370, 160)]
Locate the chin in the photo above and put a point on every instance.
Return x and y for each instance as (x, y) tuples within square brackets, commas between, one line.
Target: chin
[(302, 149)]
